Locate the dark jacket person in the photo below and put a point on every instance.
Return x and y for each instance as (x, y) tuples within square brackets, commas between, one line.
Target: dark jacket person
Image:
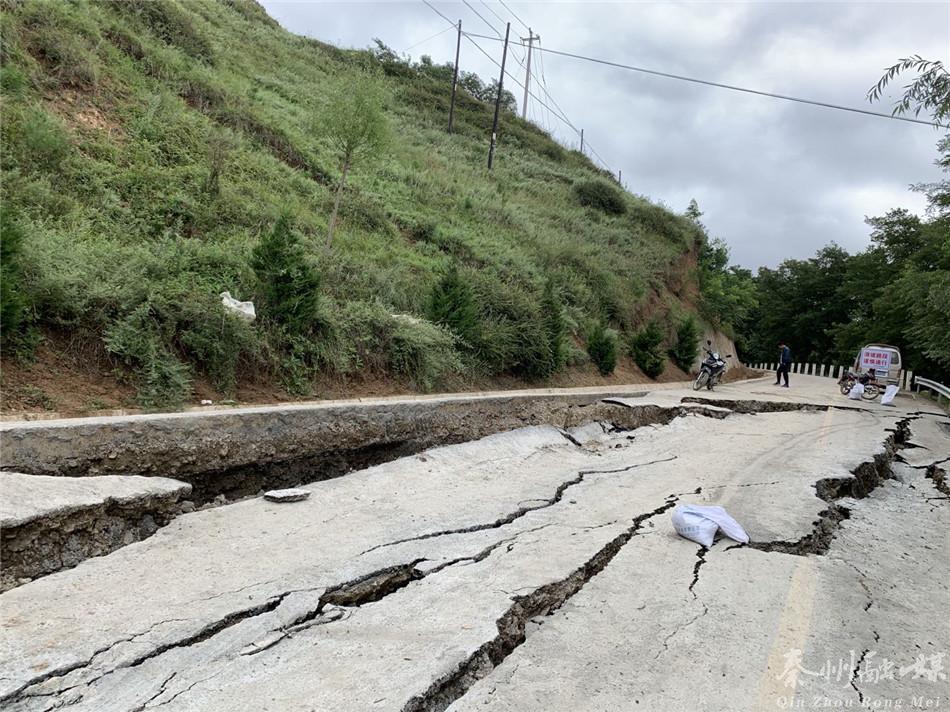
[(784, 364)]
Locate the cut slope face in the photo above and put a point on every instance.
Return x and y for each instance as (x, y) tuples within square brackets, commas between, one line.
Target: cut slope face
[(532, 569), (167, 137)]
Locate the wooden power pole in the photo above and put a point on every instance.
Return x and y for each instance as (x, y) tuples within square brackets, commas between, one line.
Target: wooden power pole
[(582, 140), (455, 76), (501, 85), (527, 71)]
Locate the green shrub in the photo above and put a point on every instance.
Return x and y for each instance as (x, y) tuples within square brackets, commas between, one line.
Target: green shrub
[(553, 151), (156, 302), (646, 350), (163, 381), (12, 299), (602, 348), (555, 331), (452, 305), (215, 339), (600, 195), (686, 347), (288, 284)]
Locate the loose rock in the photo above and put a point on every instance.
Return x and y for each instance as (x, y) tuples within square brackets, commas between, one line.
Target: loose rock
[(287, 495)]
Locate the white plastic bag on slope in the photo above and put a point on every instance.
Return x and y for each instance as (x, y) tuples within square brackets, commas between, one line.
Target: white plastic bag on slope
[(700, 523), (245, 310), (857, 390), (889, 393)]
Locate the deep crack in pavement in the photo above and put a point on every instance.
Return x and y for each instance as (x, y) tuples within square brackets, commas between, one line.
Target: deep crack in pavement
[(434, 588)]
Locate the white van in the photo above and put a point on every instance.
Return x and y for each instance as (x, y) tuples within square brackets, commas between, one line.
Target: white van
[(884, 359)]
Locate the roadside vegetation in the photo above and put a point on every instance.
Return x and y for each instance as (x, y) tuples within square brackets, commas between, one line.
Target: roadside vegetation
[(897, 291), (156, 153)]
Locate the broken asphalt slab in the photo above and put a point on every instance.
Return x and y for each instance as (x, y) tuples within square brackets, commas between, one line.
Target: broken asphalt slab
[(52, 523)]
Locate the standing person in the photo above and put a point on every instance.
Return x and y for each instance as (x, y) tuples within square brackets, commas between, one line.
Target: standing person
[(784, 364)]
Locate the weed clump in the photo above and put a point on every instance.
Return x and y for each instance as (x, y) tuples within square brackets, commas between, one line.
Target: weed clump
[(399, 344), (600, 195)]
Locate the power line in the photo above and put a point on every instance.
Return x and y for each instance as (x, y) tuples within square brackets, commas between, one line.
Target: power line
[(562, 115), (437, 34), (514, 15), (543, 82), (544, 88), (591, 148), (469, 36), (480, 17), (519, 60), (494, 29), (437, 12), (488, 7), (732, 87)]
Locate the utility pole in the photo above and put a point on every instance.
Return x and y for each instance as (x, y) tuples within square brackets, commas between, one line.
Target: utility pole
[(527, 72), (620, 177), (501, 85), (455, 76), (582, 140)]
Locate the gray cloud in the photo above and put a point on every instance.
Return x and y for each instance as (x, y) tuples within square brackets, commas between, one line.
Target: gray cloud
[(775, 179)]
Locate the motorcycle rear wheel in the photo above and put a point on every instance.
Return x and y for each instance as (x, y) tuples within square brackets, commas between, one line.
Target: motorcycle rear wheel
[(700, 380), (846, 388)]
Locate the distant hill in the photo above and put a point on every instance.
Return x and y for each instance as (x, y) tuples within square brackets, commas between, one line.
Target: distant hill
[(148, 146)]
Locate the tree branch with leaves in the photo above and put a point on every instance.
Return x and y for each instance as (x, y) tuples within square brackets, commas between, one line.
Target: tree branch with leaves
[(929, 92)]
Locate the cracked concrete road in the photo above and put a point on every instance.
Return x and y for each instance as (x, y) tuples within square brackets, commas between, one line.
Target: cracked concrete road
[(535, 570)]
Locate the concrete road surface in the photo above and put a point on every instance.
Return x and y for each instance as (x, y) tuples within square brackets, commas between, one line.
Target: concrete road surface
[(536, 569)]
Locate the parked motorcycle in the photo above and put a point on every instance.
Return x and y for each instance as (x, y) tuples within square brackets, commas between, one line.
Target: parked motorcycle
[(871, 388), (711, 370)]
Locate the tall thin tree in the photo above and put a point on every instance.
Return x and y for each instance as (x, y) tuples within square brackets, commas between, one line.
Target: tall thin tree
[(355, 125)]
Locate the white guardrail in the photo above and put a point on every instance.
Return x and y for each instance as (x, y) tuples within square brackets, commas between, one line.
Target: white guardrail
[(933, 386), (905, 379)]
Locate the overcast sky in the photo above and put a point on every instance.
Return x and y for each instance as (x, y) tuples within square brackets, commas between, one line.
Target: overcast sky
[(775, 179)]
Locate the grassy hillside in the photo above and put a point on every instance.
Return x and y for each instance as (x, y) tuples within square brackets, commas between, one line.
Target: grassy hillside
[(148, 146)]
